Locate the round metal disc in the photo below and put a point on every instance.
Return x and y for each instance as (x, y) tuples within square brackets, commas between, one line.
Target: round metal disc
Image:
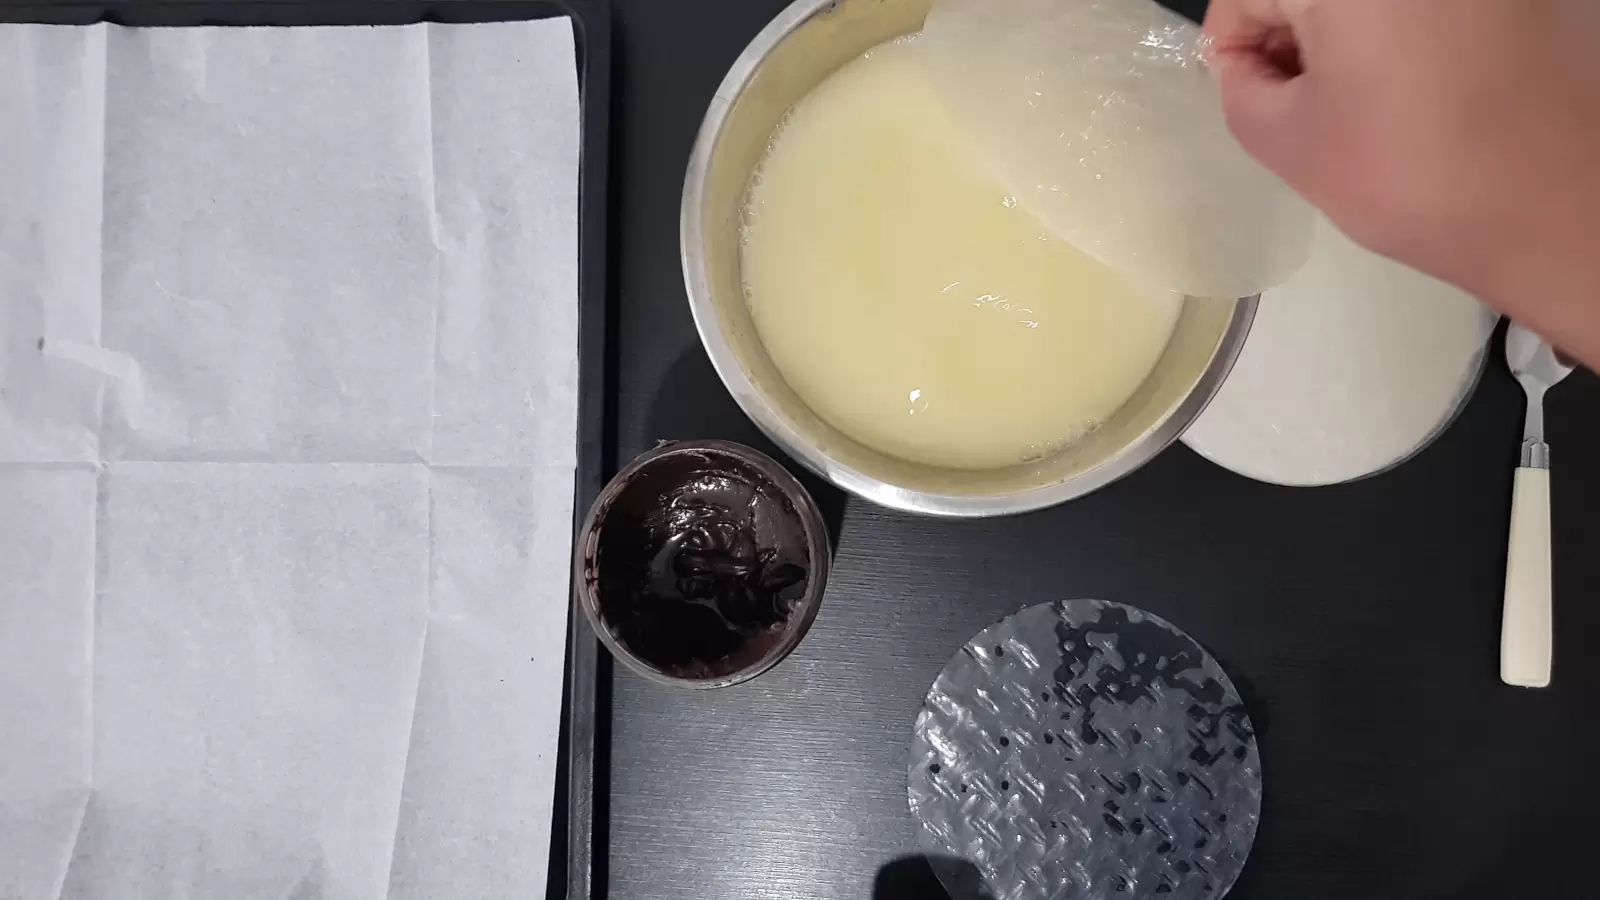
[(1082, 750)]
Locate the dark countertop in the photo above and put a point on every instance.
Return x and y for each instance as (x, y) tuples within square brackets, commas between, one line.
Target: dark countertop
[(1361, 622)]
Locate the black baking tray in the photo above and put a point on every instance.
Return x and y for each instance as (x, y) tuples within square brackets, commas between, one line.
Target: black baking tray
[(572, 828)]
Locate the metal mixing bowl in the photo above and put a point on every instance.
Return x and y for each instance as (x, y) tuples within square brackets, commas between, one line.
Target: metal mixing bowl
[(805, 44)]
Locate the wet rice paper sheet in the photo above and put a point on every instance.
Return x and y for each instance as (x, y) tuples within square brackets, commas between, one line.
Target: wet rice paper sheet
[(288, 376)]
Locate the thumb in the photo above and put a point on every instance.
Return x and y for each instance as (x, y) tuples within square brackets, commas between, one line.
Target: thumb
[(1265, 107)]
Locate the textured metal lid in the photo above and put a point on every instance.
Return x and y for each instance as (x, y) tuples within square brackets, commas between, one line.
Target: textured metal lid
[(1086, 749)]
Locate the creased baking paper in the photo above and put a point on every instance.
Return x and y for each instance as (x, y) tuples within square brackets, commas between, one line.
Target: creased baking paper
[(288, 373)]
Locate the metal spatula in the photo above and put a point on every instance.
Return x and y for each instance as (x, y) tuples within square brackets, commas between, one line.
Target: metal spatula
[(1525, 631)]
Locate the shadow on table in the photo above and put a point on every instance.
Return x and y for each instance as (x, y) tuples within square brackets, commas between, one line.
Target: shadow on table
[(691, 404), (917, 878)]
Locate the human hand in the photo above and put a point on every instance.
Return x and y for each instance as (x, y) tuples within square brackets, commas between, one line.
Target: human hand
[(1461, 137)]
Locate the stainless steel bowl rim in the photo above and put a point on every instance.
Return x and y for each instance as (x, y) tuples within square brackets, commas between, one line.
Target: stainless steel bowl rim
[(766, 417)]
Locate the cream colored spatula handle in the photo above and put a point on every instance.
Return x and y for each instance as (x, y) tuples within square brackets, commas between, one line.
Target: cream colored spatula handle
[(1526, 631)]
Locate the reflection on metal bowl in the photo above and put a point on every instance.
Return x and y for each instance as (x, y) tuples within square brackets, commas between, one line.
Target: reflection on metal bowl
[(806, 43)]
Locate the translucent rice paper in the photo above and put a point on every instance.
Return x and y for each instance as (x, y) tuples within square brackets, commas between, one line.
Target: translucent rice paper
[(1099, 116), (1085, 750)]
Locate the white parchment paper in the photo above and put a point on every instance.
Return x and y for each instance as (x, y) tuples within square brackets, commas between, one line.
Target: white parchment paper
[(288, 374)]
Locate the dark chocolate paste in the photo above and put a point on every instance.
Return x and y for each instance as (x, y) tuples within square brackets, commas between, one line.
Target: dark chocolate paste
[(701, 561)]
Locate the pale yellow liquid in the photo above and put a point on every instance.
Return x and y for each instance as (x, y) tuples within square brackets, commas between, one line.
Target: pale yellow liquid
[(912, 304)]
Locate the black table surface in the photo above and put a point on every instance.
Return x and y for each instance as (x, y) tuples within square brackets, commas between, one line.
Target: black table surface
[(1361, 622)]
